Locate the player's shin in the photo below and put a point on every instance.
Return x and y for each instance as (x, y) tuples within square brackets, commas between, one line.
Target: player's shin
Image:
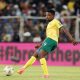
[(44, 66), (30, 62)]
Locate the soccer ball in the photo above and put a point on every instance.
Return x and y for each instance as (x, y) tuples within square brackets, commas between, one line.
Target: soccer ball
[(8, 70)]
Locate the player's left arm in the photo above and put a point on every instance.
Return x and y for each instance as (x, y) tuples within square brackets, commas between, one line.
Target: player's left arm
[(62, 29)]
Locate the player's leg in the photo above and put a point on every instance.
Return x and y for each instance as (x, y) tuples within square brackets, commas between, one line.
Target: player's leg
[(44, 63), (47, 46), (28, 63)]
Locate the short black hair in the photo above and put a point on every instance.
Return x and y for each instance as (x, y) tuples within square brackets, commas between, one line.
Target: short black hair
[(52, 11)]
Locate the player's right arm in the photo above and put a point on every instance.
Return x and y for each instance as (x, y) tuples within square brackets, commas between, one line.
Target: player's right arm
[(38, 45), (62, 29)]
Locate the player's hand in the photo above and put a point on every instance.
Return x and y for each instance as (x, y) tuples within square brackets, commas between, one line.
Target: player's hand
[(37, 46), (74, 42)]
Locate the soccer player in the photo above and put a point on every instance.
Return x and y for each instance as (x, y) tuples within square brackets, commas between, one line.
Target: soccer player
[(49, 44)]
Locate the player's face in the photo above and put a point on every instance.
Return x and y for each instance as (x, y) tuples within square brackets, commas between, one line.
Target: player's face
[(49, 16)]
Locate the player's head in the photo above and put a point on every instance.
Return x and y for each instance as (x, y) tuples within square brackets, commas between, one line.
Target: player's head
[(50, 14)]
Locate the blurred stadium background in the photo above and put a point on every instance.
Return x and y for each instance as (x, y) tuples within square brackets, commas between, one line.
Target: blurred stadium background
[(23, 22)]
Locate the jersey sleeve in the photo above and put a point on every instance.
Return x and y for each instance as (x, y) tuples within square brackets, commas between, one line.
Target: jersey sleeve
[(58, 24)]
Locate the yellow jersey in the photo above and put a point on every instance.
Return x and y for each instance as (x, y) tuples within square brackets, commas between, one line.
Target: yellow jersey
[(52, 30)]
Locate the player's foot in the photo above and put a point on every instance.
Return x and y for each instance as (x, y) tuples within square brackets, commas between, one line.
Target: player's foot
[(46, 76), (20, 71)]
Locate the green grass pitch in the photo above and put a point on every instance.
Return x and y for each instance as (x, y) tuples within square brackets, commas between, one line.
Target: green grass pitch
[(35, 73)]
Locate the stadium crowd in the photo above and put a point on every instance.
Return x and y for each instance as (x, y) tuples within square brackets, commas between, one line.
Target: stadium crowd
[(34, 29)]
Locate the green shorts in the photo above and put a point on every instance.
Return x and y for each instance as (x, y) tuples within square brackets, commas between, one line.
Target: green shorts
[(48, 45)]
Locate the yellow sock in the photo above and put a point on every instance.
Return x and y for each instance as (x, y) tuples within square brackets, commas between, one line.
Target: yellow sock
[(30, 62), (44, 66)]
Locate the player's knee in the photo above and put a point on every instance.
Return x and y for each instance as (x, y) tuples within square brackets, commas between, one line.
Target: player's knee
[(35, 55), (42, 54)]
